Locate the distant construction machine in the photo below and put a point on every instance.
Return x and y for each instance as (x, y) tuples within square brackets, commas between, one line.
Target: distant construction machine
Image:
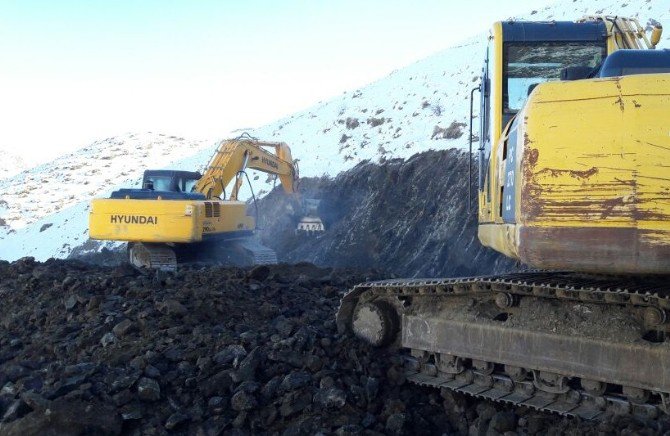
[(183, 216)]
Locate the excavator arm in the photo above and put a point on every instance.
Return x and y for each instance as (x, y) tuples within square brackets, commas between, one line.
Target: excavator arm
[(234, 156)]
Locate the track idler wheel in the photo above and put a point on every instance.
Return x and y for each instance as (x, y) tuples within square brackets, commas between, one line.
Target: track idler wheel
[(376, 322), (449, 364), (516, 373), (505, 301), (654, 316), (636, 395), (550, 382)]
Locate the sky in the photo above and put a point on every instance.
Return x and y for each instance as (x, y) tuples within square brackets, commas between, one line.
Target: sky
[(76, 71)]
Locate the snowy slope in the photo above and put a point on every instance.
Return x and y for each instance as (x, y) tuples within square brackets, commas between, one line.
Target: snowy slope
[(44, 208), (10, 164), (90, 171), (422, 106), (398, 116)]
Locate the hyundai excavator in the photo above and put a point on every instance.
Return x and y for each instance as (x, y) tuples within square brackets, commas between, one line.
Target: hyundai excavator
[(574, 182), (183, 216)]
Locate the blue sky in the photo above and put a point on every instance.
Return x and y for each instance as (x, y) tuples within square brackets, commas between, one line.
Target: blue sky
[(72, 72)]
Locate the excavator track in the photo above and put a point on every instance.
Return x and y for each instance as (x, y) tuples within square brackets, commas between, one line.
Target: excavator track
[(258, 253), (153, 256), (239, 252), (573, 344)]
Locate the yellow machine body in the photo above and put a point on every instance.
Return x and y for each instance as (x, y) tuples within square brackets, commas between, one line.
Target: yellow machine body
[(574, 179), (590, 175), (164, 221), (579, 177), (180, 215)]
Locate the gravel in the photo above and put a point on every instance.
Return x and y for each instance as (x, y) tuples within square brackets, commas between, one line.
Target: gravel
[(217, 351)]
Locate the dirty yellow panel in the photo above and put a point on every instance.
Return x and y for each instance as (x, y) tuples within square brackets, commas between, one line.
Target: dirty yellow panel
[(597, 153), (591, 179), (178, 221), (145, 220), (595, 188)]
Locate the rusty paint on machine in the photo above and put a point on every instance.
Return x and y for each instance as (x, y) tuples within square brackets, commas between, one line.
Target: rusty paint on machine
[(555, 172), (593, 193), (583, 249)]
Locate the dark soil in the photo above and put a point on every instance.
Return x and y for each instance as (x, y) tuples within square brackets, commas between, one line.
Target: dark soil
[(99, 350), (407, 217)]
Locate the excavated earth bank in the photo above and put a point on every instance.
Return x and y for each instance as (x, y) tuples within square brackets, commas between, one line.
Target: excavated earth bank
[(109, 350), (407, 217)]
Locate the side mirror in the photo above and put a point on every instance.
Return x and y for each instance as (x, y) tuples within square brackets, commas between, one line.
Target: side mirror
[(149, 184)]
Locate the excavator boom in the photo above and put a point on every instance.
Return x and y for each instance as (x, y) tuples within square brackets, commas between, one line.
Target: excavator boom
[(234, 156)]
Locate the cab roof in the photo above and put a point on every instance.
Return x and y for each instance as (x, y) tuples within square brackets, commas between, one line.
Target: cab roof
[(172, 173), (529, 31)]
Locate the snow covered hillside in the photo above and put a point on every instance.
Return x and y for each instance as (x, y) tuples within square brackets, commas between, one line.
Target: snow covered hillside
[(46, 206), (10, 164), (420, 107)]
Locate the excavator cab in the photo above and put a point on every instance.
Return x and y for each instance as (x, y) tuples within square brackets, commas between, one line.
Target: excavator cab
[(164, 184), (172, 181), (520, 56)]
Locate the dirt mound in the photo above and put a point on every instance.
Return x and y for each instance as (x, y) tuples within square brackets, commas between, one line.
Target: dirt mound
[(409, 218), (99, 350)]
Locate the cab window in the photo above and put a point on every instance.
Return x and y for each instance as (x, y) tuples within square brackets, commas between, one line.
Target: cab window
[(187, 185), (158, 183), (528, 64)]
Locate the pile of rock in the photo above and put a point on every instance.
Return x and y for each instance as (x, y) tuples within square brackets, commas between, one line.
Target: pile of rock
[(99, 350), (410, 217)]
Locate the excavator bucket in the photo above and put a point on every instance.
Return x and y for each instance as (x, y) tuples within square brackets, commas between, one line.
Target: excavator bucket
[(310, 222)]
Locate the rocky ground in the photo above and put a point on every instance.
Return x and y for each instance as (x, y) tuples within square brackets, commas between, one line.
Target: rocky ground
[(109, 350)]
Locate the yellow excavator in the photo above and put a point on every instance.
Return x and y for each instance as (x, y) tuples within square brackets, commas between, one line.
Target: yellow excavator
[(183, 216), (574, 181)]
